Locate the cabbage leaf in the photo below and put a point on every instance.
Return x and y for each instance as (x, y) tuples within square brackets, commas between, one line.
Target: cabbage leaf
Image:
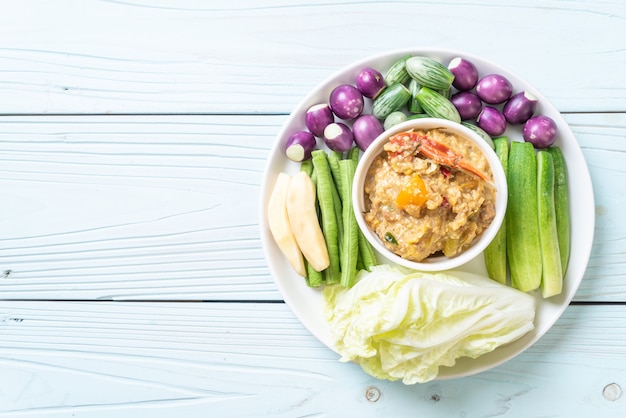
[(399, 325)]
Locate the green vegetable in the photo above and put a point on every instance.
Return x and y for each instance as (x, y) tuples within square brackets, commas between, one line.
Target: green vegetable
[(447, 93), (333, 161), (353, 154), (413, 105), (522, 224), (327, 209), (397, 72), (429, 72), (418, 116), (359, 263), (390, 238), (551, 273), (561, 204), (495, 253), (481, 132), (307, 166), (313, 277), (350, 242), (338, 209), (400, 326), (392, 98), (366, 253), (393, 119), (436, 105)]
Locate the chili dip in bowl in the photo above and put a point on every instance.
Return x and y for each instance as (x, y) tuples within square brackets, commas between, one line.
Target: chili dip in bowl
[(429, 194)]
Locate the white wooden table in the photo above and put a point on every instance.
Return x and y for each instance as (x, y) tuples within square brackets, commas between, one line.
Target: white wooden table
[(133, 137)]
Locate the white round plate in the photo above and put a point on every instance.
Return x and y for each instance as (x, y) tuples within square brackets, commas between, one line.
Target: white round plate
[(305, 302)]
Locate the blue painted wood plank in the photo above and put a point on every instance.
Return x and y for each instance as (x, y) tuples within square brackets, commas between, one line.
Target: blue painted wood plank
[(192, 359), (250, 57)]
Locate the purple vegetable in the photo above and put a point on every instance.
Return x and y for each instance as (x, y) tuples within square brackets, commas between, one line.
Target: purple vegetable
[(468, 104), (520, 107), (541, 131), (366, 128), (300, 145), (370, 82), (338, 137), (494, 89), (492, 121), (465, 74), (346, 101), (317, 118)]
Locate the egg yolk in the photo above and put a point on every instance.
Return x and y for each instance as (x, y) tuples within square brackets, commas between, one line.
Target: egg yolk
[(414, 193)]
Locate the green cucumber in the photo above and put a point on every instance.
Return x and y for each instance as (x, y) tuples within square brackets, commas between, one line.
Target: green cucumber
[(522, 223), (495, 253), (551, 272), (394, 97), (561, 204), (429, 72), (397, 73), (437, 106)]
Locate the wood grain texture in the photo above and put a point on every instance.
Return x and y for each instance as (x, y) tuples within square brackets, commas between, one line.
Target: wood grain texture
[(133, 138), (247, 56), (601, 136), (126, 207), (99, 359), (166, 207)]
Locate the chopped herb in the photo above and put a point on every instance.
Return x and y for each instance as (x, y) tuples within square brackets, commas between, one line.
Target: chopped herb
[(390, 238)]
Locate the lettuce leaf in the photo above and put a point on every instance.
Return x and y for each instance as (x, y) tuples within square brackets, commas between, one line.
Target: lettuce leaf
[(399, 325)]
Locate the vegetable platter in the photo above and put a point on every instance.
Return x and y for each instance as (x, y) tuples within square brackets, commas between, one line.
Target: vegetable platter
[(306, 302)]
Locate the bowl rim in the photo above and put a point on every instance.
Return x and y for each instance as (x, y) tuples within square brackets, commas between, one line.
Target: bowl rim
[(439, 263)]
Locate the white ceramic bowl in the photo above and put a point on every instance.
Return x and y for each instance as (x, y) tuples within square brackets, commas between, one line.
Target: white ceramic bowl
[(432, 263)]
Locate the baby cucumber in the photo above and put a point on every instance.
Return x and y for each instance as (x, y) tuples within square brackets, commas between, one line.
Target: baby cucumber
[(495, 253), (551, 273), (522, 222), (561, 204)]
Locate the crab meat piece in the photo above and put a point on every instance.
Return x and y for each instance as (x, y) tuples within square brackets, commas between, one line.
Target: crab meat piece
[(438, 152)]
